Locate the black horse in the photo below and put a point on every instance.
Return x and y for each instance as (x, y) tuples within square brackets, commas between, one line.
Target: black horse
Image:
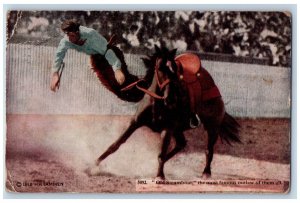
[(166, 110)]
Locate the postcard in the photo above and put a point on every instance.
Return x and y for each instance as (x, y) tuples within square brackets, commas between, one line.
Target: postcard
[(148, 101)]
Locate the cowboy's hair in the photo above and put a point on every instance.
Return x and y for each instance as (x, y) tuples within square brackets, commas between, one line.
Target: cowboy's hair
[(70, 26)]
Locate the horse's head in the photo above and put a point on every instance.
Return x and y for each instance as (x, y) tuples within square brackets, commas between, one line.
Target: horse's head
[(165, 63), (166, 76)]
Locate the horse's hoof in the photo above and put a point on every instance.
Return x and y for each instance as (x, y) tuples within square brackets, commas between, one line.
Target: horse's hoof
[(87, 171), (92, 171), (97, 162), (206, 176), (160, 178)]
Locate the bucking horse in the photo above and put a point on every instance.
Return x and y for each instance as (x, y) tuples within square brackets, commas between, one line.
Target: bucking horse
[(173, 84)]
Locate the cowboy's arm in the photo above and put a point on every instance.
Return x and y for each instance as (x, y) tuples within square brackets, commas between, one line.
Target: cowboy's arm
[(100, 45), (59, 57)]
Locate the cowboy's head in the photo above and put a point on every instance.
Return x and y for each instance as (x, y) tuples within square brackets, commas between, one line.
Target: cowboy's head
[(71, 29)]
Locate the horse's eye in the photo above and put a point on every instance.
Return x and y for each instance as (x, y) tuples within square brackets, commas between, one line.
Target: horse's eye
[(161, 67)]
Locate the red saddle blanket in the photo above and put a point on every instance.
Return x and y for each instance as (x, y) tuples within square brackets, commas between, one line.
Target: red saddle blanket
[(199, 82)]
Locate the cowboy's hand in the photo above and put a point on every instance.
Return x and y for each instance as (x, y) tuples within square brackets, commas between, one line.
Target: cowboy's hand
[(119, 76), (54, 82)]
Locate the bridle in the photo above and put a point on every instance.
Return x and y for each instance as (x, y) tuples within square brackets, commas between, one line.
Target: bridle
[(164, 83), (160, 84)]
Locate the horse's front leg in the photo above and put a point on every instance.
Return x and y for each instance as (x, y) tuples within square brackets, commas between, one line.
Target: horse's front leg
[(180, 144), (122, 139), (166, 137), (139, 121)]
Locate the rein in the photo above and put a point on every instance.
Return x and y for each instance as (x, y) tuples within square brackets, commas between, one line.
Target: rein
[(152, 94), (146, 91), (166, 82)]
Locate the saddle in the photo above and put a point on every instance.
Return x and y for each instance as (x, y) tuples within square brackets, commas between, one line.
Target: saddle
[(200, 84), (189, 66)]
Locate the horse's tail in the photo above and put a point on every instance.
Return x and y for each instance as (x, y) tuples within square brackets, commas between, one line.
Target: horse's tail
[(230, 129), (105, 74)]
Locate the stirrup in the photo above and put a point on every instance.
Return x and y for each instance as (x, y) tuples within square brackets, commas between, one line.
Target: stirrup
[(198, 122)]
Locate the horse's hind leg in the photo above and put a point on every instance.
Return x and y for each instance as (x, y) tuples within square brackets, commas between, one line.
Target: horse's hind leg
[(166, 137), (212, 138)]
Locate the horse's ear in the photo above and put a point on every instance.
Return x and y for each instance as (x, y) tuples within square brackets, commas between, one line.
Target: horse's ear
[(173, 53), (157, 49)]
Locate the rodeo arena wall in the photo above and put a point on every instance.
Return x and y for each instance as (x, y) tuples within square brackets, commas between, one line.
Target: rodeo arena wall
[(248, 90)]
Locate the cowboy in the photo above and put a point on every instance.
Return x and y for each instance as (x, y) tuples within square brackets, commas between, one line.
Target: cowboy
[(85, 40)]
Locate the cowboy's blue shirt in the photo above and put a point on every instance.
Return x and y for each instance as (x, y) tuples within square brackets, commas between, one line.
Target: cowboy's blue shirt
[(94, 44)]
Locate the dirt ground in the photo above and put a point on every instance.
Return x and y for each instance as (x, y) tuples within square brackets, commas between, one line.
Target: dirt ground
[(47, 153)]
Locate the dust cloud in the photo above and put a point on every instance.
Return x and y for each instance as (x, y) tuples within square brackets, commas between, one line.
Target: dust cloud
[(77, 141)]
